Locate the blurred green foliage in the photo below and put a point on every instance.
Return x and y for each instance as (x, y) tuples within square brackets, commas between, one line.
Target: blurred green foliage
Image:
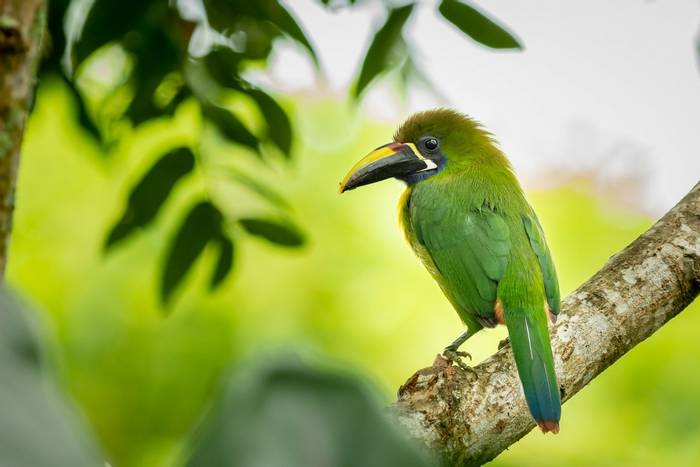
[(161, 54), (286, 414), (192, 144), (37, 426), (353, 294)]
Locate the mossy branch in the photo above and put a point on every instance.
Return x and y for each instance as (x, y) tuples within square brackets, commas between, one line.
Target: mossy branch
[(469, 421)]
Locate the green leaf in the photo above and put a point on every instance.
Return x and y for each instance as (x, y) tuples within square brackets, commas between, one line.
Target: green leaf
[(244, 19), (156, 57), (202, 224), (281, 233), (222, 65), (290, 415), (225, 262), (37, 425), (230, 126), (106, 21), (261, 21), (279, 127), (151, 192), (478, 26), (385, 40), (260, 189), (276, 13)]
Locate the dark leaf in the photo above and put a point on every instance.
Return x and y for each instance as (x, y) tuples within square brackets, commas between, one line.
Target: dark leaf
[(261, 21), (222, 65), (290, 415), (387, 38), (244, 18), (224, 263), (230, 126), (37, 425), (107, 21), (273, 231), (279, 128), (56, 37), (478, 26), (151, 192), (260, 189), (202, 224), (276, 13), (156, 57)]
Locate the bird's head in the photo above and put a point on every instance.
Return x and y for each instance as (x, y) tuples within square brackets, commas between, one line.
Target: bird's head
[(423, 146)]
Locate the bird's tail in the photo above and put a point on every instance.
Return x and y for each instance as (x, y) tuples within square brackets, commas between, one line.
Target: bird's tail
[(529, 339)]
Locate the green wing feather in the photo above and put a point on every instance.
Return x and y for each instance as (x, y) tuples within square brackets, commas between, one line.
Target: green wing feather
[(470, 250), (544, 257)]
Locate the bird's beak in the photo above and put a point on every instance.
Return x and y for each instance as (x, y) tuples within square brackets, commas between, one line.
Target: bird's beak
[(390, 160)]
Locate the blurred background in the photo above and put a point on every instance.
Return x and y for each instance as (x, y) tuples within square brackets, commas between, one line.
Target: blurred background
[(238, 249)]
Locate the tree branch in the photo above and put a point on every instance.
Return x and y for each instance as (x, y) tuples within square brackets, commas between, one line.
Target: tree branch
[(469, 421), (22, 23)]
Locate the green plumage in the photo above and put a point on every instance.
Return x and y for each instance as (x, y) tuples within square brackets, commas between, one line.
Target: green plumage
[(473, 229)]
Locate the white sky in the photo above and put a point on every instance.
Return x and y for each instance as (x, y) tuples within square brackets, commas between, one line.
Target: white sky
[(612, 85)]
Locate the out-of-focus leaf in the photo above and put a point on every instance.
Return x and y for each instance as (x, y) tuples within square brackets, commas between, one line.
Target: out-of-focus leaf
[(202, 224), (478, 26), (51, 63), (156, 57), (224, 263), (151, 191), (222, 65), (242, 17), (107, 21), (230, 126), (37, 426), (389, 36), (260, 21), (276, 13), (273, 231), (259, 188), (289, 415), (279, 128)]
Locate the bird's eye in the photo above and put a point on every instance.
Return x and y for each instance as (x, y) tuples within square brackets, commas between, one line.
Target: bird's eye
[(431, 144)]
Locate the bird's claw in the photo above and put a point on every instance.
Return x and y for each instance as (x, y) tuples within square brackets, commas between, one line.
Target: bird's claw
[(455, 356)]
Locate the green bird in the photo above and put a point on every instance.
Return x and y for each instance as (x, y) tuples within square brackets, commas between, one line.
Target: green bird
[(465, 215)]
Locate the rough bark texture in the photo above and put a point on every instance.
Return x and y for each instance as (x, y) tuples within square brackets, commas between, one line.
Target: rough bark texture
[(22, 23), (469, 420)]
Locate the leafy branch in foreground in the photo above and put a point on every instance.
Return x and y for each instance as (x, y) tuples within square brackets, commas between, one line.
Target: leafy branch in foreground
[(181, 51), (389, 48)]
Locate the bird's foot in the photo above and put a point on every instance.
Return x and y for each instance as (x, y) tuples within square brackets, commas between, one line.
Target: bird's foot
[(455, 356), (503, 343)]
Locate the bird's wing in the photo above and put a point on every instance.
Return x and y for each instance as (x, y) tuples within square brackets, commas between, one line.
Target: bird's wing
[(470, 250), (544, 257)]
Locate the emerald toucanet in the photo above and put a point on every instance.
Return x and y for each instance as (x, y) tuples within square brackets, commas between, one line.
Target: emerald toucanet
[(466, 217)]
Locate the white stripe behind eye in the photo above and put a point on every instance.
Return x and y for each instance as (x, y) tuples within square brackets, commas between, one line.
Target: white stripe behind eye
[(430, 165)]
